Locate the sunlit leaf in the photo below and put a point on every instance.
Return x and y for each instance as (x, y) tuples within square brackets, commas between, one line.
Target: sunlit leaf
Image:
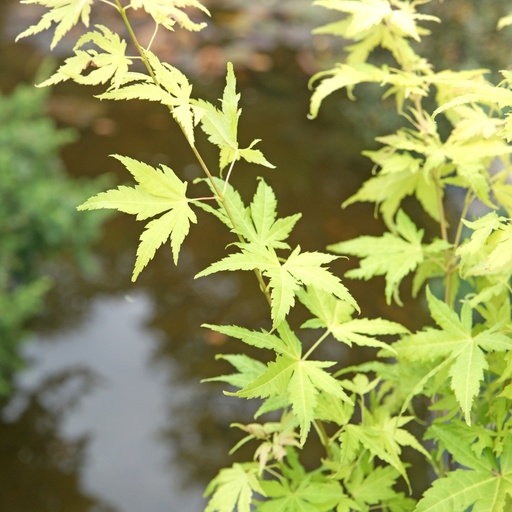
[(64, 13), (336, 316), (158, 191), (392, 255), (486, 489), (300, 381), (306, 496), (285, 278), (456, 343), (233, 488), (169, 12)]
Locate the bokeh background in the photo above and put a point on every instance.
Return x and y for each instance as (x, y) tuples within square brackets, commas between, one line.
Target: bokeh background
[(102, 408)]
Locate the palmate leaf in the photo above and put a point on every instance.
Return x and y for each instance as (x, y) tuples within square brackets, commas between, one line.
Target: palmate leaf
[(468, 91), (257, 223), (460, 441), (472, 160), (233, 488), (64, 13), (482, 489), (167, 13), (300, 382), (248, 369), (400, 176), (221, 126), (158, 191), (341, 77), (465, 490), (239, 220), (177, 85), (268, 230), (488, 250), (383, 437), (172, 89), (336, 316), (374, 487), (286, 343), (111, 63), (284, 278), (307, 495), (363, 14), (391, 255), (455, 342), (367, 16), (465, 92)]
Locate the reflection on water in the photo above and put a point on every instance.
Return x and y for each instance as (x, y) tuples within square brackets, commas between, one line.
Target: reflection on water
[(41, 467), (112, 437)]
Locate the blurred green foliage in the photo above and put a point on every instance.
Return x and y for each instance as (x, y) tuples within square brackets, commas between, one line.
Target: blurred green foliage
[(38, 218), (467, 38)]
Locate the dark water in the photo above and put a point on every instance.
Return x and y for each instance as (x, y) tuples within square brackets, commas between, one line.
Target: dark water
[(110, 413)]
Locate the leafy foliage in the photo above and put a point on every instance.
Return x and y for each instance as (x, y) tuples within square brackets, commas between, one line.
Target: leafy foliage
[(109, 64), (65, 13), (462, 366), (157, 192), (38, 221), (233, 488), (221, 126)]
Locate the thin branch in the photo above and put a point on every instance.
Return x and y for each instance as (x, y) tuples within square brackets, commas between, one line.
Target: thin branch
[(218, 191), (316, 344)]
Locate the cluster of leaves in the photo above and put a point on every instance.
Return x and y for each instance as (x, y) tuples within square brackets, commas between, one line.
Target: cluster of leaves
[(38, 220), (462, 366)]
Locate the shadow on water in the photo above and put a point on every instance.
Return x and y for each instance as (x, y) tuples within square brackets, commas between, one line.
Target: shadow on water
[(147, 435), (40, 468)]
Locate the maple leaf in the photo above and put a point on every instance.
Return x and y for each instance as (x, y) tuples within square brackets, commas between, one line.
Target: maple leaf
[(167, 13), (248, 369), (485, 486), (382, 436), (392, 255), (158, 191), (488, 250), (285, 278), (221, 126), (300, 381), (307, 495), (374, 485), (64, 13), (109, 64), (286, 343), (471, 91), (400, 175), (233, 488), (341, 77), (363, 15), (373, 23), (268, 230), (336, 316), (455, 342), (257, 223), (171, 88)]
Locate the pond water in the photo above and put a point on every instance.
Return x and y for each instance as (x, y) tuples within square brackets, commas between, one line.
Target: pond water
[(110, 413)]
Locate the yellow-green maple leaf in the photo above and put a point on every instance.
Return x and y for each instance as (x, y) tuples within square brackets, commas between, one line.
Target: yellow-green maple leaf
[(90, 67), (455, 343), (169, 12), (158, 191), (64, 13), (300, 381)]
